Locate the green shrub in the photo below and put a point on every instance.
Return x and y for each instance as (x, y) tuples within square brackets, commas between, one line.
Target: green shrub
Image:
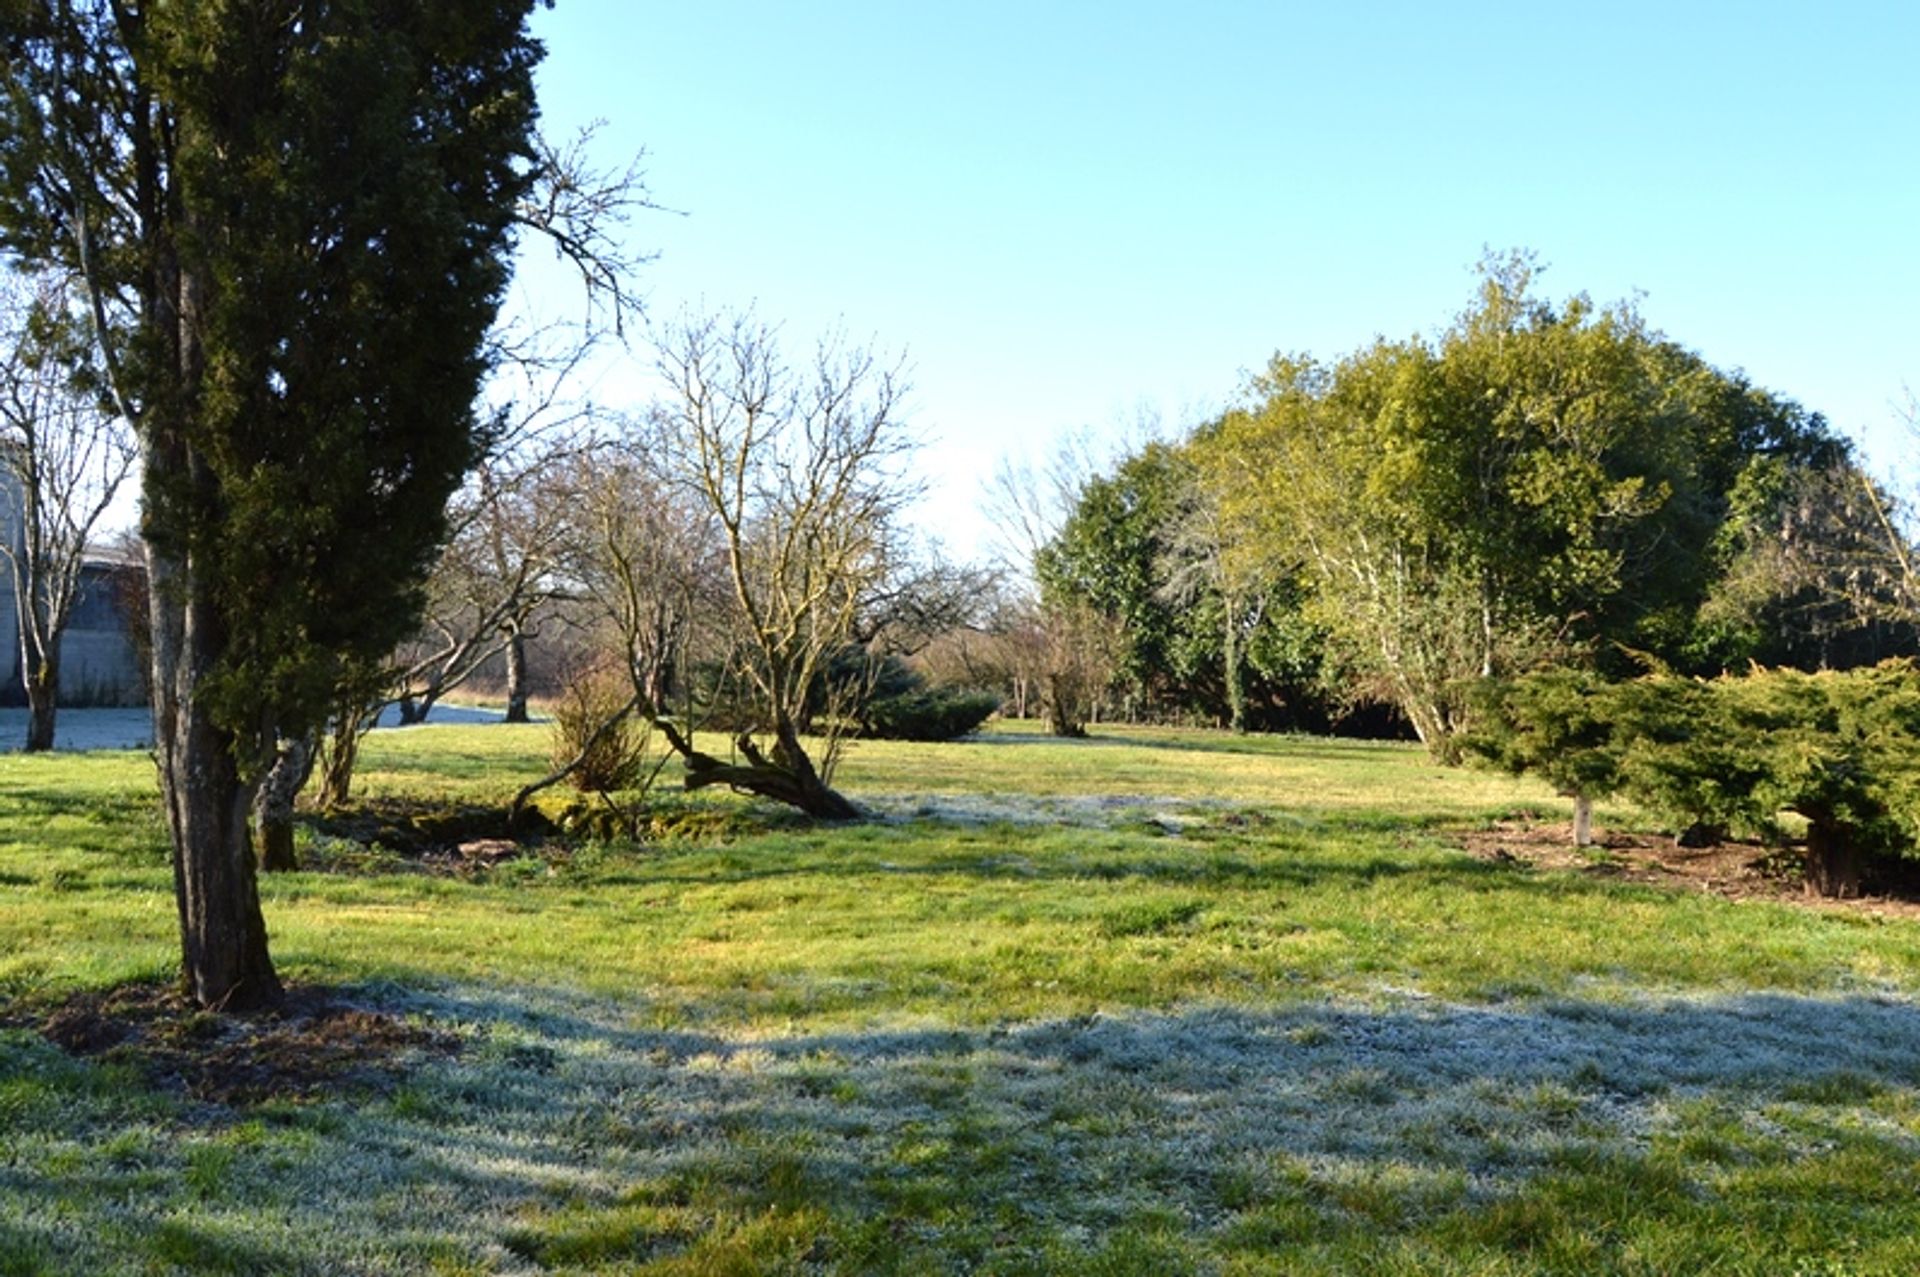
[(1557, 725), (615, 760), (933, 715), (1843, 751), (1686, 760), (1839, 749)]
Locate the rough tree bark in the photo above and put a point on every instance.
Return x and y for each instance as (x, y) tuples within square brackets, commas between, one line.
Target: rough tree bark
[(273, 806), (43, 698), (1834, 863), (787, 777), (206, 792), (207, 800), (516, 676)]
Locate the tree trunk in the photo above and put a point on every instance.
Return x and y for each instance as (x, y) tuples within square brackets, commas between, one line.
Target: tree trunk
[(1582, 821), (1066, 715), (43, 700), (336, 767), (413, 711), (273, 807), (1430, 725), (1062, 720), (517, 677), (1236, 677), (1486, 626), (788, 777), (223, 936), (1833, 861), (818, 798)]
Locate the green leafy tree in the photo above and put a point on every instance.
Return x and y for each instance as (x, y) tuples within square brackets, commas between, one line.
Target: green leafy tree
[(1537, 484), (293, 220), (1204, 626), (1106, 557)]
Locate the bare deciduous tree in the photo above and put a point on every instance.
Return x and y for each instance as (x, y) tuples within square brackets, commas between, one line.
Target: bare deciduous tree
[(496, 575), (63, 458), (651, 559), (925, 602), (1057, 648), (801, 471), (646, 560)]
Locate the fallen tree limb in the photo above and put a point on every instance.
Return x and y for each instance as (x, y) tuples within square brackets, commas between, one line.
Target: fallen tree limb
[(763, 776)]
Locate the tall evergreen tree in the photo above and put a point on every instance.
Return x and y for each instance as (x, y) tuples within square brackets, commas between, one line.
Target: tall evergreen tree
[(293, 218)]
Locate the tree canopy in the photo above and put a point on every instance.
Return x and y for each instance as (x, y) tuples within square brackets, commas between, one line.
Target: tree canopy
[(293, 220), (1538, 483)]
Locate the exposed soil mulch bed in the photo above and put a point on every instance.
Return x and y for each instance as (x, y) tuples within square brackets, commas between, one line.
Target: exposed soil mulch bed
[(453, 839), (466, 840), (1736, 870), (313, 1046)]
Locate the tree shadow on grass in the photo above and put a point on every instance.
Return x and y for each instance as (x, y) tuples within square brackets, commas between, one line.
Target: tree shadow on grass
[(569, 1133), (1139, 860), (125, 805)]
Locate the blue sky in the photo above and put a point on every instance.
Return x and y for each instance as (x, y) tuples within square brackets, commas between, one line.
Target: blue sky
[(1068, 214)]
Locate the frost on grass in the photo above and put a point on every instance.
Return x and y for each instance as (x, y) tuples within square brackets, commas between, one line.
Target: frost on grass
[(1169, 814), (569, 1132)]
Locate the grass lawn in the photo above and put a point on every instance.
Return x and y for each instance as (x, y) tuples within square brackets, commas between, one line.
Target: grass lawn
[(1159, 1001)]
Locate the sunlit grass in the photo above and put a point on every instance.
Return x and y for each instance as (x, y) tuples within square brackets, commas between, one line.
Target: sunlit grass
[(1161, 1001)]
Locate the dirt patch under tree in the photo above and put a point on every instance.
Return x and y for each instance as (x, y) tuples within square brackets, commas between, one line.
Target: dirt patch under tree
[(314, 1045), (1737, 870)]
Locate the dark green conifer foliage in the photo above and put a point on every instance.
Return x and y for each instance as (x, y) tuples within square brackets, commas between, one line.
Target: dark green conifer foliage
[(1682, 757), (1557, 725), (1840, 749), (294, 217)]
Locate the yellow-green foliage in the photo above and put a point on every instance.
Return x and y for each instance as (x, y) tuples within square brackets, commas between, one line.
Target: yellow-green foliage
[(604, 757), (1841, 749)]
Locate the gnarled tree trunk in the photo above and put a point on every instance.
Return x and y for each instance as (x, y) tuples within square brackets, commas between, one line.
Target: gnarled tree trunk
[(788, 777), (273, 806)]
